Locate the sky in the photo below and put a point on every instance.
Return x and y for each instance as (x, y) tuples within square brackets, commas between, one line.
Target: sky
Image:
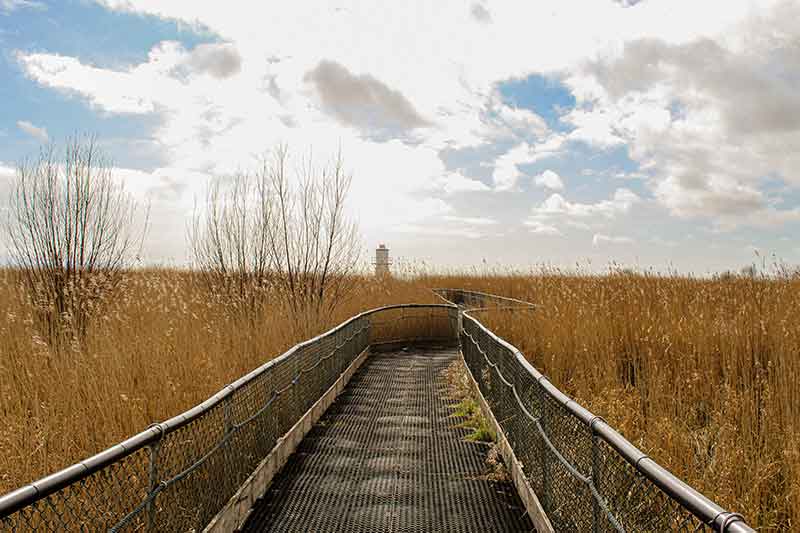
[(657, 133)]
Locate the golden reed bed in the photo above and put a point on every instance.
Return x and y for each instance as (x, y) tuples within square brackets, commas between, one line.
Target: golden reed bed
[(702, 374)]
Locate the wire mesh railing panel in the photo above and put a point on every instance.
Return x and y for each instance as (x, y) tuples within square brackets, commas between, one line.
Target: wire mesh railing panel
[(586, 476), (414, 324), (636, 502), (96, 502), (177, 475)]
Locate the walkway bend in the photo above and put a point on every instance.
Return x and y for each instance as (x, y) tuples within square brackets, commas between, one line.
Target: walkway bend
[(387, 457)]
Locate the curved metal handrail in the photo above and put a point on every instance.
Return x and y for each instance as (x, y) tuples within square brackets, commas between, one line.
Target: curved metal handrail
[(40, 489), (692, 500), (508, 303)]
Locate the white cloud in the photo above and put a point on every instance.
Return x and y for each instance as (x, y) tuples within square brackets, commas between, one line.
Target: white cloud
[(540, 228), (6, 171), (432, 230), (471, 221), (218, 60), (362, 100), (40, 134), (556, 205), (7, 6), (550, 180), (515, 122), (680, 106), (170, 194), (599, 239), (506, 173), (480, 13), (708, 115), (577, 224), (455, 182), (118, 92)]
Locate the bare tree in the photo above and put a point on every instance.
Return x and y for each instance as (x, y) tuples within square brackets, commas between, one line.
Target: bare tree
[(72, 230), (290, 234), (228, 238)]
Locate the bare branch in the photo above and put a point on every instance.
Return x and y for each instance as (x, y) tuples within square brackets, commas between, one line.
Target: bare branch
[(72, 230), (264, 228)]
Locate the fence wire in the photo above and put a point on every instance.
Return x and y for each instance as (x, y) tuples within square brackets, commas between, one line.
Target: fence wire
[(586, 475), (177, 475)]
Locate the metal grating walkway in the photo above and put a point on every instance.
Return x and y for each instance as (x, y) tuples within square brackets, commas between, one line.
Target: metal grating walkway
[(387, 457)]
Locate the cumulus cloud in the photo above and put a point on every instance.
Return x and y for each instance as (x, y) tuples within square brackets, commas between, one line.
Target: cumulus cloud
[(114, 91), (506, 172), (218, 60), (362, 100), (651, 79), (168, 80), (709, 117), (40, 134), (455, 182), (599, 239), (550, 180), (556, 205), (514, 122)]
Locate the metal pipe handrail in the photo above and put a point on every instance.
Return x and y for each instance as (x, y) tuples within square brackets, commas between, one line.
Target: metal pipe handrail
[(512, 302), (698, 504), (40, 489)]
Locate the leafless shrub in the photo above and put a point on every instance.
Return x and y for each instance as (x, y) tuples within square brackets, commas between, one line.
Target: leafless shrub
[(71, 230), (266, 234), (228, 239)]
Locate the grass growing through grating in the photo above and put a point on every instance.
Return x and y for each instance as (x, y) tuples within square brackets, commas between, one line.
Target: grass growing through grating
[(475, 421), (459, 388)]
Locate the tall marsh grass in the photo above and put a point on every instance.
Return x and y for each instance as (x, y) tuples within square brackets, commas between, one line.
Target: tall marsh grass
[(161, 343), (703, 374)]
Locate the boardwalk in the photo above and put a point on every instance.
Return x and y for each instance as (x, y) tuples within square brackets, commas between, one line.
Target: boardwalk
[(388, 457)]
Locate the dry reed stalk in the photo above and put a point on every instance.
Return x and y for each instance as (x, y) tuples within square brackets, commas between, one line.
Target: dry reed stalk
[(703, 374)]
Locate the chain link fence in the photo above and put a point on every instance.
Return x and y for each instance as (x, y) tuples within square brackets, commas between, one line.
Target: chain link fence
[(177, 475), (586, 475)]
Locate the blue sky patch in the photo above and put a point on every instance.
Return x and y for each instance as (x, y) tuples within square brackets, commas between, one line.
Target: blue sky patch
[(98, 36), (547, 97), (95, 36)]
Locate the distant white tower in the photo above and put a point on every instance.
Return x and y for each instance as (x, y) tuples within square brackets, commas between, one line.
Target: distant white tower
[(382, 261)]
